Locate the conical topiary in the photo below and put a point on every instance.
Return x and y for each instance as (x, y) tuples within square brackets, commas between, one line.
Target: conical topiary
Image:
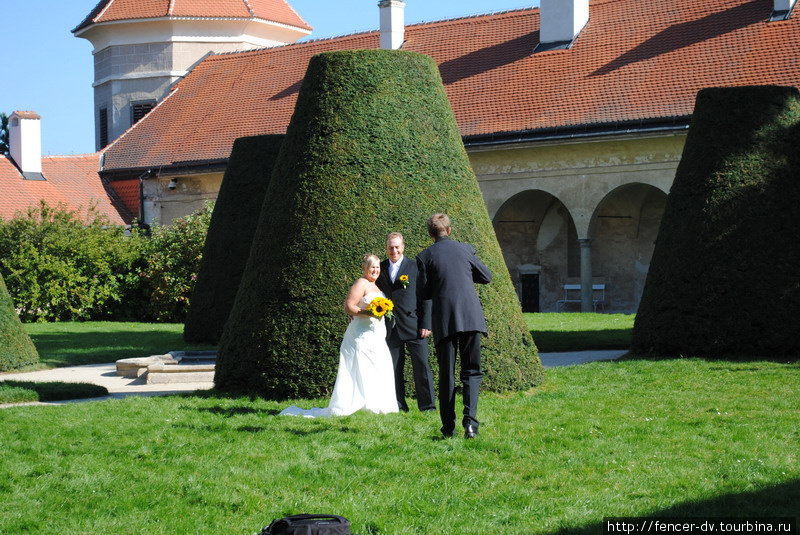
[(230, 235), (723, 277), (16, 348), (373, 147)]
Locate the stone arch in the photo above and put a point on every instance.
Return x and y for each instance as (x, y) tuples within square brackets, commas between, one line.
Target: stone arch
[(537, 235), (623, 229)]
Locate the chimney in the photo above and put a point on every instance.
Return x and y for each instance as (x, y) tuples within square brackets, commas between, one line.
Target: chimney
[(392, 24), (25, 143), (782, 9), (560, 21)]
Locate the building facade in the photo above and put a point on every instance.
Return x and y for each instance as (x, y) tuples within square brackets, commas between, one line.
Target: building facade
[(573, 115)]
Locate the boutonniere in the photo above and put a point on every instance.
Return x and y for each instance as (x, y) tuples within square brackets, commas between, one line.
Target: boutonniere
[(403, 280)]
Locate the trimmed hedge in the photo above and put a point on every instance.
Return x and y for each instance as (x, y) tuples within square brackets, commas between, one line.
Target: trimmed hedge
[(723, 277), (230, 235), (373, 146), (16, 347)]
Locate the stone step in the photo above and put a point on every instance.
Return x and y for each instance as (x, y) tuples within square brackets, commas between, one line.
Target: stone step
[(136, 367), (180, 373)]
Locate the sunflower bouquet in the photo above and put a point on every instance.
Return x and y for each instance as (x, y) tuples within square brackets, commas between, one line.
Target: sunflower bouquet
[(381, 307)]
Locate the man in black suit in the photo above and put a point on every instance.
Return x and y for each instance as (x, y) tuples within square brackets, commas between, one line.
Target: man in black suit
[(412, 323), (448, 271)]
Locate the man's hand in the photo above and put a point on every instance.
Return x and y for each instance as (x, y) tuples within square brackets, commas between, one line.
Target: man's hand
[(424, 333)]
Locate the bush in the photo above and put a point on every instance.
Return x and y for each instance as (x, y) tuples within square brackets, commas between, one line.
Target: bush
[(171, 263), (723, 277), (230, 235), (62, 267), (16, 348), (372, 147)]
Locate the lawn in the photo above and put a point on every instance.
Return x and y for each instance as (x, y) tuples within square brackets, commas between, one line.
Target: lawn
[(578, 331), (97, 342), (681, 437)]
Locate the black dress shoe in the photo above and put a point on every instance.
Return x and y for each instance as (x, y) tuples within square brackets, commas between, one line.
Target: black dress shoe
[(470, 432), (448, 434)]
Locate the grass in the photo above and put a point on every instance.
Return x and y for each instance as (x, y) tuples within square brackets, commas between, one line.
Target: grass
[(26, 391), (580, 331), (682, 437), (97, 342)]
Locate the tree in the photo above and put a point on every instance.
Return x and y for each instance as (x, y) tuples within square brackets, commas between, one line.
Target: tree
[(372, 147), (3, 134), (16, 348), (230, 235), (723, 277)]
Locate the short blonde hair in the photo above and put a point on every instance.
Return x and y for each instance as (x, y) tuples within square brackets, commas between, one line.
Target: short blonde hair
[(438, 225), (393, 235), (368, 259)]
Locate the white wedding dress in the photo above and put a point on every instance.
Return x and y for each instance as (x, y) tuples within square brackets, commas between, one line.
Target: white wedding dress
[(365, 379)]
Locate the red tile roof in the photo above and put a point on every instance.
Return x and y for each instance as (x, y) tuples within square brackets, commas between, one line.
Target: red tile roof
[(634, 60), (271, 10), (26, 114), (71, 180)]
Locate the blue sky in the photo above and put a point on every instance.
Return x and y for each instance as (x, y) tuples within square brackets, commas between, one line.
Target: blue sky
[(48, 70)]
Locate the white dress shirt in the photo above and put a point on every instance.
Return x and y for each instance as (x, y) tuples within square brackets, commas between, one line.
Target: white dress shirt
[(394, 268)]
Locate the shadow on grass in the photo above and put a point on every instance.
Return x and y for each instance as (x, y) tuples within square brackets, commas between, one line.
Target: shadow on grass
[(48, 391), (229, 412), (730, 358), (97, 347), (774, 501), (554, 341)]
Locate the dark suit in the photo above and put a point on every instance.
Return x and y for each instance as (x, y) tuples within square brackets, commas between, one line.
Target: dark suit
[(448, 271), (410, 315)]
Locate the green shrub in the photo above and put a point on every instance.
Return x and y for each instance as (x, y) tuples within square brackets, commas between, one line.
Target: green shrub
[(171, 262), (230, 235), (723, 277), (16, 348), (373, 146), (61, 267)]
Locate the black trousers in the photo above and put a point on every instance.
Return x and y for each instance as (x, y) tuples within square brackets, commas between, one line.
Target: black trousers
[(468, 345), (420, 367)]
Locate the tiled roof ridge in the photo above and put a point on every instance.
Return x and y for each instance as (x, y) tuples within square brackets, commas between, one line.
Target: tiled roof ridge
[(103, 5), (469, 18), (249, 8), (82, 155), (216, 56), (297, 14), (362, 33), (142, 120)]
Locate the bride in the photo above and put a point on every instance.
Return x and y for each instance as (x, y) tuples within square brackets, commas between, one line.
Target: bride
[(365, 379)]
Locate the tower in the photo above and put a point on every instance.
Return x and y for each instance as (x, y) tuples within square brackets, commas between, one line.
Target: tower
[(142, 48)]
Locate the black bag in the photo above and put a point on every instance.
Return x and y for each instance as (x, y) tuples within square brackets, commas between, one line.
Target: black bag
[(308, 525)]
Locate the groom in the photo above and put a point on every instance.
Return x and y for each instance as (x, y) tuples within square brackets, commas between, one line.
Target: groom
[(448, 272), (412, 323)]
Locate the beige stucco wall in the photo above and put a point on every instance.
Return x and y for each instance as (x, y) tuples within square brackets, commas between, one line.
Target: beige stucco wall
[(162, 204), (579, 174), (544, 197)]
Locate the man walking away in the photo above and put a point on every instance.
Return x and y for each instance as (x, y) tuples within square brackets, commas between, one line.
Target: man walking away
[(448, 271)]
